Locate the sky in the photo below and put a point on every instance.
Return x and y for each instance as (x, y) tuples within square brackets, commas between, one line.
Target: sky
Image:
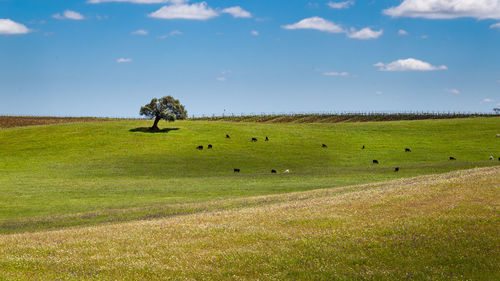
[(110, 57)]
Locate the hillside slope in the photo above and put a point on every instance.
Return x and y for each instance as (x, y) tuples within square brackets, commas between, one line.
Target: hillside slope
[(91, 173), (441, 227)]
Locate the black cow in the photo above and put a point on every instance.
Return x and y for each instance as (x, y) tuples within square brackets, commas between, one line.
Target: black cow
[(407, 150), (254, 139), (236, 170), (396, 169), (200, 147), (228, 136), (273, 171), (324, 146), (267, 139), (209, 146), (363, 147), (375, 161), (498, 158), (453, 158)]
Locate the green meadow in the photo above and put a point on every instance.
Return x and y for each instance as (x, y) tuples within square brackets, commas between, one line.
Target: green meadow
[(82, 174)]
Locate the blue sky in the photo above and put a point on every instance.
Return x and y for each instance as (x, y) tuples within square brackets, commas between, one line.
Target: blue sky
[(77, 58)]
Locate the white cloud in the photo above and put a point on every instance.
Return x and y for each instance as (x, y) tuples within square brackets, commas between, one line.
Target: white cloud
[(139, 1), (140, 32), (379, 93), (221, 79), (69, 15), (453, 91), (171, 34), (9, 27), (124, 60), (237, 12), (341, 5), (316, 23), (254, 33), (365, 34), (409, 64), (446, 9), (487, 100), (496, 25), (402, 32), (197, 11), (340, 74)]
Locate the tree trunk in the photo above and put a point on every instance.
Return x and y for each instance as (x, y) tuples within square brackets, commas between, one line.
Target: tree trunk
[(155, 125)]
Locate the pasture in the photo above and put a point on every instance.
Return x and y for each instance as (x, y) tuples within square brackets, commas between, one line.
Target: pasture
[(82, 174), (439, 227)]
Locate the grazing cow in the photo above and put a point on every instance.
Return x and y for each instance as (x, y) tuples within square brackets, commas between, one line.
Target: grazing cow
[(453, 158), (363, 147), (396, 169), (237, 170), (209, 146), (200, 147), (324, 146), (491, 157), (498, 135), (273, 171), (267, 139), (254, 139), (286, 171), (498, 158), (375, 161), (407, 150), (228, 136)]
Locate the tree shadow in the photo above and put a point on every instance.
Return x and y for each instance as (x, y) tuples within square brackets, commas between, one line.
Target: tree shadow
[(149, 130)]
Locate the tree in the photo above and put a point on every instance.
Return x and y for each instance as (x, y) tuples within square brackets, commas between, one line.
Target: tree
[(497, 110), (166, 108)]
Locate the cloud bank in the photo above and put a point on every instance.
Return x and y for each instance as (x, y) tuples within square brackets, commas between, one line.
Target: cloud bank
[(9, 27), (409, 64), (316, 23), (446, 9)]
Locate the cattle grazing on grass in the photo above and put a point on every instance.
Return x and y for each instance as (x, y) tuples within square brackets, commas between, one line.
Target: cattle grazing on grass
[(498, 135), (452, 158), (254, 139), (237, 170), (200, 147), (228, 136), (375, 161), (407, 150), (363, 147), (209, 146), (324, 146), (286, 171), (396, 169), (273, 171), (267, 139), (491, 157)]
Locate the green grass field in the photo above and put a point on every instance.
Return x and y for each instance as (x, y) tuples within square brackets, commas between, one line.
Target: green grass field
[(62, 175), (441, 227)]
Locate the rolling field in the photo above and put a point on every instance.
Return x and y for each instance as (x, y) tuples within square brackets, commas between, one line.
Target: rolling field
[(438, 227), (79, 174)]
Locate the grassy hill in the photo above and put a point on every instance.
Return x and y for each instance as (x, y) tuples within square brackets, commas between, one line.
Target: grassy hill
[(440, 227), (72, 174)]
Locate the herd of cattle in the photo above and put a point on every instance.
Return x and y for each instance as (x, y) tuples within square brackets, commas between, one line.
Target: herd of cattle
[(273, 171)]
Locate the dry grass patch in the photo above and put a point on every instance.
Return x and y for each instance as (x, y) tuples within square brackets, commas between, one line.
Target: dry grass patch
[(426, 228)]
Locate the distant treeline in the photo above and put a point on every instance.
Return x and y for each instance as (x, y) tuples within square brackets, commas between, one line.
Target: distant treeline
[(339, 117)]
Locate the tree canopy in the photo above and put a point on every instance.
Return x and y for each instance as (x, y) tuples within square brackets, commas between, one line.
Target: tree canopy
[(166, 108)]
